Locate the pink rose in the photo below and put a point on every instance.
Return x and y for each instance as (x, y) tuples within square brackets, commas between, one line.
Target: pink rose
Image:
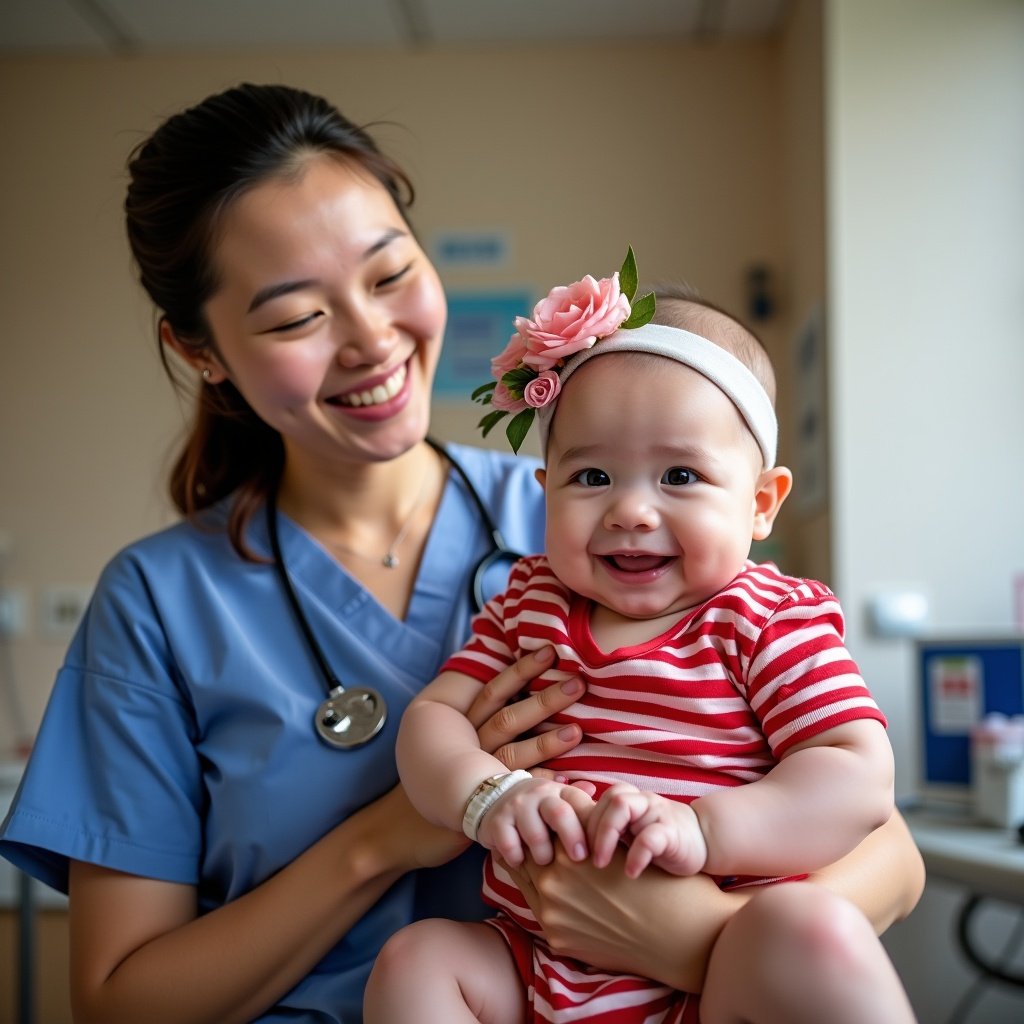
[(571, 319), (510, 358), (501, 399), (542, 389)]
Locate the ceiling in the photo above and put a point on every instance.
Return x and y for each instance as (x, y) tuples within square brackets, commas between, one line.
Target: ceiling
[(132, 27)]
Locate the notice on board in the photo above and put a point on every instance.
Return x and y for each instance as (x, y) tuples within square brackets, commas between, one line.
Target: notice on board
[(956, 684)]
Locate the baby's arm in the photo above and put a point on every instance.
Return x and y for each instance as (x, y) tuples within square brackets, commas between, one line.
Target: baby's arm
[(822, 798), (811, 809), (442, 766)]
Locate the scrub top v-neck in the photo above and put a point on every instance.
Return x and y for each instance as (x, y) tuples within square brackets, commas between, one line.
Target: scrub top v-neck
[(178, 741)]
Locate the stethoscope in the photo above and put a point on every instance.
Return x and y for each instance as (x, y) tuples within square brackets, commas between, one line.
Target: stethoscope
[(351, 716)]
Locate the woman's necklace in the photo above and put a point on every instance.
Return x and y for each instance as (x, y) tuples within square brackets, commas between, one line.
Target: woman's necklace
[(390, 559)]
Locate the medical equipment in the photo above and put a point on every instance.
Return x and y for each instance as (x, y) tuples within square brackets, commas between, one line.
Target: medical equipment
[(351, 716)]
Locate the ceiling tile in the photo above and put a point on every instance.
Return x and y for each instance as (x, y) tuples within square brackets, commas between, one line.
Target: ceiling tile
[(47, 25), (113, 26)]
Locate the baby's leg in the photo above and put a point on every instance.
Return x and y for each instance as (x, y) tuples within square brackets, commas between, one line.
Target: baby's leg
[(446, 972), (798, 954)]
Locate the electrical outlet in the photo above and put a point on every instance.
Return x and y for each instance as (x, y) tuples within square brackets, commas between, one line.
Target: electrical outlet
[(61, 609)]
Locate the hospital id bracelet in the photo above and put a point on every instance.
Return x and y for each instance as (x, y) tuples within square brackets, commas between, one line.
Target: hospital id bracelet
[(486, 795)]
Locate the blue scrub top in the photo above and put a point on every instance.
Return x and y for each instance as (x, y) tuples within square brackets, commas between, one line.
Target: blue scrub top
[(178, 742)]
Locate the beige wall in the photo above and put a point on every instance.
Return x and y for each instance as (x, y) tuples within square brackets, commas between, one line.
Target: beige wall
[(575, 152), (806, 523)]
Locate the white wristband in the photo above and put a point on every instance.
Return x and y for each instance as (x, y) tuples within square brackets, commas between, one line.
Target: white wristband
[(486, 795)]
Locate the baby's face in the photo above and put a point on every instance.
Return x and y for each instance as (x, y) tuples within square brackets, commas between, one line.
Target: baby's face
[(651, 486)]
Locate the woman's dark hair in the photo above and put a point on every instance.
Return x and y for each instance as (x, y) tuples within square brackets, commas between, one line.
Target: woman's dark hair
[(182, 178)]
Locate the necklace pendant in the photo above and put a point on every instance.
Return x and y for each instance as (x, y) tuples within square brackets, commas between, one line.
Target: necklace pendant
[(390, 560)]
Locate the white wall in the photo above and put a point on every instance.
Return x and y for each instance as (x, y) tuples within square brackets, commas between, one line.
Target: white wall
[(925, 157), (925, 129)]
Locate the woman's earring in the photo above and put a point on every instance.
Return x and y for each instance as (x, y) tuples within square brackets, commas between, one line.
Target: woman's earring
[(206, 374)]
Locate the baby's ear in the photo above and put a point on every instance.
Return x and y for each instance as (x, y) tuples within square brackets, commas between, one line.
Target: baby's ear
[(773, 487), (541, 477)]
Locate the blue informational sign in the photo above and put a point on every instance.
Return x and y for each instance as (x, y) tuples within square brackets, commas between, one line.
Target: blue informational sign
[(479, 326), (471, 249), (961, 681)]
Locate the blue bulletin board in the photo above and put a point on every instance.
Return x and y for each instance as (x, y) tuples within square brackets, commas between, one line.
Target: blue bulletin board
[(961, 681), (479, 326)]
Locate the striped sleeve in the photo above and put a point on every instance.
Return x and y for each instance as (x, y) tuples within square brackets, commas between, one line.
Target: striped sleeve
[(492, 645), (801, 680)]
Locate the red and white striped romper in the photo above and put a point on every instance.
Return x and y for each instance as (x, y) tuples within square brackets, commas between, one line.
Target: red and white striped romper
[(713, 701)]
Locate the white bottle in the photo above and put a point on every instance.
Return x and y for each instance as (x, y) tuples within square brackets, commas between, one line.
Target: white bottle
[(997, 770)]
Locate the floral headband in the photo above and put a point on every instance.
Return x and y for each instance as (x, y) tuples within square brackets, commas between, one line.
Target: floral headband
[(570, 320), (563, 334)]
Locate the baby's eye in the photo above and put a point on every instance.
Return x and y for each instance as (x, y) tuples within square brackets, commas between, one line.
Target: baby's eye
[(679, 476), (592, 478)]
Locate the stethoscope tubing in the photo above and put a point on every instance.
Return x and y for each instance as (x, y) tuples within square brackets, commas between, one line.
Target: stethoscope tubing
[(349, 717)]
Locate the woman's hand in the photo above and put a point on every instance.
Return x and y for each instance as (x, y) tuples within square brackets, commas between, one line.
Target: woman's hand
[(660, 926), (664, 927), (500, 724)]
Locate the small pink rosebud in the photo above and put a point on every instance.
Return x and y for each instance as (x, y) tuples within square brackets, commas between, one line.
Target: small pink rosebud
[(543, 389)]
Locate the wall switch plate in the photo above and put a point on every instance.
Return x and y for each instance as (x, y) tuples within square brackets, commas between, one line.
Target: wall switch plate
[(61, 607)]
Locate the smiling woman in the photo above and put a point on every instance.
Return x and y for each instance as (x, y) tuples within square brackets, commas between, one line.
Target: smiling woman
[(327, 316)]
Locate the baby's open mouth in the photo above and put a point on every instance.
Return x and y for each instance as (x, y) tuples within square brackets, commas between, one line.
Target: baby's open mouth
[(636, 563)]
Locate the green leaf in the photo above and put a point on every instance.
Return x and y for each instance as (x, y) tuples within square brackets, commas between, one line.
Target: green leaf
[(628, 279), (482, 393), (642, 313), (519, 427), (517, 379), (490, 419)]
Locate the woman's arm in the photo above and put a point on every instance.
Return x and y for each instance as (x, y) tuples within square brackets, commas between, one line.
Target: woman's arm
[(884, 876), (141, 951), (664, 927)]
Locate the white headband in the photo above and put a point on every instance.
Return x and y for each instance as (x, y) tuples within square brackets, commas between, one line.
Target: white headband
[(708, 359)]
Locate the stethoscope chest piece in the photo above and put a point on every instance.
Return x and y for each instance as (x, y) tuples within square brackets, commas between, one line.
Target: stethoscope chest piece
[(350, 716)]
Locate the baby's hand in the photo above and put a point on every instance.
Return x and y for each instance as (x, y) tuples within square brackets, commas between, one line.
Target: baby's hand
[(528, 814), (664, 832)]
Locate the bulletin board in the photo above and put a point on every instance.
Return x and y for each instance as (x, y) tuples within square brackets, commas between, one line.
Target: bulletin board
[(960, 681), (479, 327)]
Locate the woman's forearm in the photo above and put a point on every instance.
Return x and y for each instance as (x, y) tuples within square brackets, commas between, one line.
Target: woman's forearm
[(884, 876), (665, 927), (140, 953)]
